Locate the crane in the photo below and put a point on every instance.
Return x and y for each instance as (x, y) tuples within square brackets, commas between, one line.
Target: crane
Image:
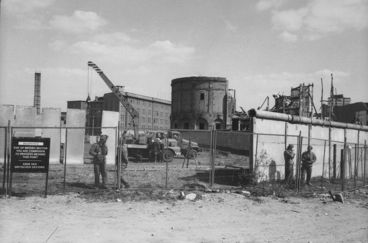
[(122, 99), (267, 99)]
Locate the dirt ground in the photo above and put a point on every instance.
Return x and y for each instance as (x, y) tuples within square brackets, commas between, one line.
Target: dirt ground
[(215, 217), (150, 213)]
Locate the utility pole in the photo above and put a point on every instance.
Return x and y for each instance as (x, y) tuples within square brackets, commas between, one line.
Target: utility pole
[(301, 99), (331, 98), (322, 117)]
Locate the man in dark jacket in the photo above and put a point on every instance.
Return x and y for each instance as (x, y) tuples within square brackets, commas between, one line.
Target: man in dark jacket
[(99, 151), (156, 147), (308, 158), (289, 163)]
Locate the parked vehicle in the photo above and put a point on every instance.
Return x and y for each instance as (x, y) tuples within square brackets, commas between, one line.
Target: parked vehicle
[(189, 149), (150, 147)]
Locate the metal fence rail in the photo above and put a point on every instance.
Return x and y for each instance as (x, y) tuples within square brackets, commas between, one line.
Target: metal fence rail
[(226, 160)]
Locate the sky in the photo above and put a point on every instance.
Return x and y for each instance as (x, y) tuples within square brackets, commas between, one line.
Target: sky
[(262, 47)]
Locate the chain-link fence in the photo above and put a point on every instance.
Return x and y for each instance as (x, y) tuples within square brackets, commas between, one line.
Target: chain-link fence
[(200, 159), (339, 166)]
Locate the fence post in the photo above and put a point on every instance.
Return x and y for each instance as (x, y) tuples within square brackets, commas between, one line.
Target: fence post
[(255, 159), (167, 164), (348, 151), (355, 164), (65, 156), (329, 152), (323, 163), (211, 156), (119, 148), (10, 174), (334, 163), (298, 159), (342, 163), (285, 135), (297, 170), (5, 153), (309, 133), (6, 159), (8, 168), (365, 160)]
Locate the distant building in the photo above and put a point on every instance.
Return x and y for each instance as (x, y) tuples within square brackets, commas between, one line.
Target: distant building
[(336, 101), (299, 103), (77, 104), (352, 113), (362, 116), (154, 113), (339, 100), (201, 102), (63, 118), (94, 116)]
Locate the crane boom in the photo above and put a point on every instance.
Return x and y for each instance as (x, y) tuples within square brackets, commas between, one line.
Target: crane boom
[(122, 99)]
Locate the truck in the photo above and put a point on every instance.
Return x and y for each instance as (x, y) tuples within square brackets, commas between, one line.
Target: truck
[(139, 147), (174, 140)]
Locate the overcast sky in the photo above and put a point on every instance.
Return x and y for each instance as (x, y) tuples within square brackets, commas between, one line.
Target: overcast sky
[(261, 47)]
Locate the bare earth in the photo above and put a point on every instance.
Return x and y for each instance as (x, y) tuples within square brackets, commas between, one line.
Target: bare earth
[(217, 217)]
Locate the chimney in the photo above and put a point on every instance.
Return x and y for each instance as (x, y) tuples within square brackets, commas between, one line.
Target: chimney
[(37, 92)]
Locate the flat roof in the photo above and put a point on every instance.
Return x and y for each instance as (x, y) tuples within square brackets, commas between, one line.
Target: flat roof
[(144, 97)]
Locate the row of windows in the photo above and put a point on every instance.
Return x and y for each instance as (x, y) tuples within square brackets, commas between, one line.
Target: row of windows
[(150, 120), (148, 104), (154, 127), (149, 126), (155, 113)]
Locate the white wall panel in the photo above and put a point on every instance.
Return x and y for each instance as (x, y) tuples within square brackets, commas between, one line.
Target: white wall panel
[(25, 116), (51, 118), (6, 114), (110, 119), (75, 137)]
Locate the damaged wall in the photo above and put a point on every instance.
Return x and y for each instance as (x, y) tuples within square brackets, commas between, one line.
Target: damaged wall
[(273, 136)]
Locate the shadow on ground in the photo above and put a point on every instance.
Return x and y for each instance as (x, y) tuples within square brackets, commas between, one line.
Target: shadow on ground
[(223, 177)]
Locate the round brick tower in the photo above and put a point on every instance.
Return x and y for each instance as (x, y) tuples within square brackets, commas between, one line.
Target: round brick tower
[(199, 103)]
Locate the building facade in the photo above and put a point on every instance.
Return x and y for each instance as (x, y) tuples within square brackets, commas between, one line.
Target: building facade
[(201, 102), (334, 101), (154, 113), (352, 113), (77, 104), (299, 103)]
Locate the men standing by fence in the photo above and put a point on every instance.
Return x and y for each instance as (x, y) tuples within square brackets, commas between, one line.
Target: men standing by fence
[(289, 163), (308, 158), (99, 151)]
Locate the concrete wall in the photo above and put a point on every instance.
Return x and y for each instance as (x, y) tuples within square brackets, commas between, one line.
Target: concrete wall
[(232, 141), (6, 114), (110, 119), (50, 117), (26, 116), (75, 136), (268, 160)]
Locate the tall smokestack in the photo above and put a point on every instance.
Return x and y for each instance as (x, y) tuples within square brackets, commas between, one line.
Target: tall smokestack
[(37, 93)]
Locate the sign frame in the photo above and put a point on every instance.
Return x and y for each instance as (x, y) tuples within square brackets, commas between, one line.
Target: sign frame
[(30, 155)]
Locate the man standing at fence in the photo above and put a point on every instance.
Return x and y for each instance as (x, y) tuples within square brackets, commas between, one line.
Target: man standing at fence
[(124, 158), (99, 151), (156, 149), (308, 158), (289, 163)]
